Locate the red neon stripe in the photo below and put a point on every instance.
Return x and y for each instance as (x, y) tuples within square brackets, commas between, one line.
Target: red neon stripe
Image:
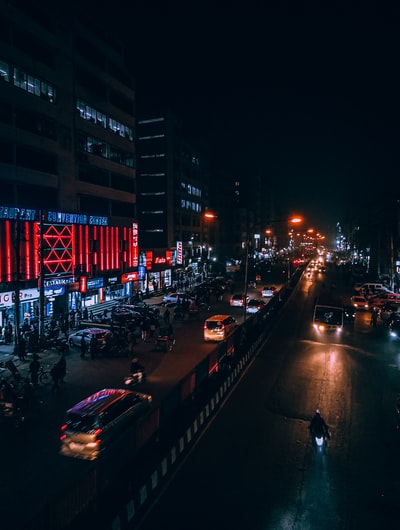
[(8, 252), (87, 247)]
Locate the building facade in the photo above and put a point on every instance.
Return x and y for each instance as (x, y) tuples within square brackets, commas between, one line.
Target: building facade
[(172, 188), (67, 150)]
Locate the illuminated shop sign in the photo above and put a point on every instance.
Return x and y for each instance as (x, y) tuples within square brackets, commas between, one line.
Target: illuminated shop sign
[(179, 253), (55, 282), (76, 218), (135, 244), (7, 299), (23, 214), (95, 283), (129, 277), (142, 272), (54, 291)]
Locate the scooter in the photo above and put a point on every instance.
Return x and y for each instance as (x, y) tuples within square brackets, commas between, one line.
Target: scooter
[(319, 438), (137, 375)]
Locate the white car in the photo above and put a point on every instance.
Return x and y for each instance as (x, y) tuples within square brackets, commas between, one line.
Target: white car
[(268, 291), (254, 305), (237, 300), (171, 298)]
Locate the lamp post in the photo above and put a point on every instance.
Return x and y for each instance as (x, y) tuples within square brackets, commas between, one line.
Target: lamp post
[(207, 218), (294, 220)]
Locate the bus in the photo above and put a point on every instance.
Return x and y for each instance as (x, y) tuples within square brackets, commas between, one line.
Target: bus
[(328, 318)]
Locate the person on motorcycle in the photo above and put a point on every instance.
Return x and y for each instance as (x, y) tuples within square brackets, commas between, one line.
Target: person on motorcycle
[(318, 425)]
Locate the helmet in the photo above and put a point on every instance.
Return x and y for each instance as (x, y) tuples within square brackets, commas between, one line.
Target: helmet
[(317, 411)]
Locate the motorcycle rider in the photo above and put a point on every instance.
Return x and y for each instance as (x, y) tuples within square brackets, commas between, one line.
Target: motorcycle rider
[(318, 425)]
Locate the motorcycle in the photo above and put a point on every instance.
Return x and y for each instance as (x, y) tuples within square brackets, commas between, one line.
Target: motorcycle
[(137, 374), (164, 340), (319, 438)]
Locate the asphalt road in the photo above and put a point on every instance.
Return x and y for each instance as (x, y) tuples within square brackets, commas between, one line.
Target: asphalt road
[(254, 467), (32, 470)]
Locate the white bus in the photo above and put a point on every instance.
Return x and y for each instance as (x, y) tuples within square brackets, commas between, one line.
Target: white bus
[(328, 318)]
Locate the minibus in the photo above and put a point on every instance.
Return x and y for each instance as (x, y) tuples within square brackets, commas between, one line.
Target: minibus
[(91, 425)]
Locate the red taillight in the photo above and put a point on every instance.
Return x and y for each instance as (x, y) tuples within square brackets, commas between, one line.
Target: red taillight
[(63, 427), (97, 432), (62, 437)]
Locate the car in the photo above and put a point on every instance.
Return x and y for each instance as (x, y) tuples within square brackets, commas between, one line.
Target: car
[(390, 310), (237, 300), (268, 291), (100, 334), (359, 303), (255, 305), (125, 313), (171, 298)]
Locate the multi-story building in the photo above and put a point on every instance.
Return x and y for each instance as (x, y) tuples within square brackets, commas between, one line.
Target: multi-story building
[(172, 187), (67, 157)]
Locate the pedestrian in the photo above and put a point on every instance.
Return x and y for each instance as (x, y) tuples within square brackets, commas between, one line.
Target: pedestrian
[(21, 351), (62, 367), (131, 342), (374, 318), (166, 316), (34, 368), (153, 327), (145, 328), (55, 375), (93, 347), (83, 347)]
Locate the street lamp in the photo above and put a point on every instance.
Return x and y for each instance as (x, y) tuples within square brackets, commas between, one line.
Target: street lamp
[(293, 220), (207, 218)]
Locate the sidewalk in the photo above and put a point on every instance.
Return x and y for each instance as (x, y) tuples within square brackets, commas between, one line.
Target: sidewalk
[(51, 356)]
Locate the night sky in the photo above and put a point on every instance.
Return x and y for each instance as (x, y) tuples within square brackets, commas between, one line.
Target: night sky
[(306, 99)]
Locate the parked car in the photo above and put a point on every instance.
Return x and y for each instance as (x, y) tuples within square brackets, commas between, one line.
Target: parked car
[(268, 291), (255, 305), (75, 339), (171, 298), (359, 303), (237, 300), (125, 313)]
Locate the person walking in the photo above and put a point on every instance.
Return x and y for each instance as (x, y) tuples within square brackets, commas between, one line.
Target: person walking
[(55, 376), (145, 328), (62, 367), (131, 342), (374, 318), (83, 347), (167, 316), (34, 368), (93, 347)]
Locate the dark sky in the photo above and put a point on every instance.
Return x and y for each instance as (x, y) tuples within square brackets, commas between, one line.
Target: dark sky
[(306, 99)]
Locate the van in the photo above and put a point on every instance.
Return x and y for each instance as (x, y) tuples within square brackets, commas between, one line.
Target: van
[(369, 288), (92, 424), (218, 327)]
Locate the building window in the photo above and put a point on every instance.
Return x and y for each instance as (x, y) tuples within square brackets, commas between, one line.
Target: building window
[(4, 71)]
